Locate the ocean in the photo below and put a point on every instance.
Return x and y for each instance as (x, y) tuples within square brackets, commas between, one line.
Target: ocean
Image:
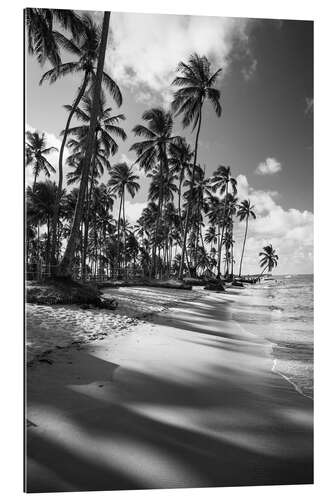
[(281, 310)]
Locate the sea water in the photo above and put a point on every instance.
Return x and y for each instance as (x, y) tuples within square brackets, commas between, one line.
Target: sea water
[(281, 310)]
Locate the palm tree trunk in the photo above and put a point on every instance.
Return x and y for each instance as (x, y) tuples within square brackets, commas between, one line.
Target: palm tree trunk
[(124, 227), (118, 232), (60, 166), (223, 227), (245, 235), (262, 272), (47, 253), (35, 180), (86, 229), (179, 203), (180, 275), (65, 267)]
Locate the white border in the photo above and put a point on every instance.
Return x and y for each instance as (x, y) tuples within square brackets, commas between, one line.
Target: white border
[(11, 236)]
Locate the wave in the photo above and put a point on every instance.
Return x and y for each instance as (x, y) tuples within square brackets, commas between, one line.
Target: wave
[(288, 379)]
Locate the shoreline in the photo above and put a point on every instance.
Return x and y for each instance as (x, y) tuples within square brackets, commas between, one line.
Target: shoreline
[(186, 399), (40, 319)]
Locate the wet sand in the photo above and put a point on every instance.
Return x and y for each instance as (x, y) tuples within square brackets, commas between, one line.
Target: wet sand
[(187, 398)]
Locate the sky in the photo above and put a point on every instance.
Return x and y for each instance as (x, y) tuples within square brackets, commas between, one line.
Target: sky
[(265, 132)]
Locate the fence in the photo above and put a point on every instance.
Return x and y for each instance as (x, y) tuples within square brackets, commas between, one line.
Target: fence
[(39, 272)]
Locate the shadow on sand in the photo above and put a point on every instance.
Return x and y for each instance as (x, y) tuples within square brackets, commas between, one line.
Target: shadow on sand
[(176, 421)]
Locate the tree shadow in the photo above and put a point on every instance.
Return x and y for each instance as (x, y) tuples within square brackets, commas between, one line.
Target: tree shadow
[(104, 425)]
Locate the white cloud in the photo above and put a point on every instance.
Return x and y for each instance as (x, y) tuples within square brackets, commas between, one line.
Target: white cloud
[(249, 71), (146, 48), (133, 210), (268, 167), (289, 230)]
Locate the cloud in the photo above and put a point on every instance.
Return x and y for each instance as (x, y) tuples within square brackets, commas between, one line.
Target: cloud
[(289, 230), (133, 210), (268, 167), (145, 49), (249, 71), (53, 158), (308, 105)]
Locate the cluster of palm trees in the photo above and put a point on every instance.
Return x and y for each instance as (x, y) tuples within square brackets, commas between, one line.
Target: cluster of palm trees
[(188, 224)]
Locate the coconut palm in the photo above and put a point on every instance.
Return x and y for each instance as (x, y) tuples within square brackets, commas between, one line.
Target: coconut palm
[(245, 211), (122, 179), (41, 201), (41, 35), (226, 184), (66, 263), (85, 50), (154, 150), (179, 161), (107, 124), (269, 258), (196, 85), (36, 151)]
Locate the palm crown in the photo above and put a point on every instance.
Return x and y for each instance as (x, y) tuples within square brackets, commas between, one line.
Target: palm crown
[(123, 177), (269, 257), (86, 50), (106, 127), (157, 138), (222, 178), (245, 210), (36, 150), (196, 82), (41, 35)]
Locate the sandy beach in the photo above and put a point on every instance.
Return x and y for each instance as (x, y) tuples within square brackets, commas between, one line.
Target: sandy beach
[(169, 391)]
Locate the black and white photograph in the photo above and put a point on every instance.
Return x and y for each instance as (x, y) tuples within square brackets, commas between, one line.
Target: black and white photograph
[(168, 251)]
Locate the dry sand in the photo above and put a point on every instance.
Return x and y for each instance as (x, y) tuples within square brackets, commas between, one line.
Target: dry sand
[(187, 399)]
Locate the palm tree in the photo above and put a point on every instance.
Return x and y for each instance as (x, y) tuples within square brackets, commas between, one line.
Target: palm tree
[(107, 124), (122, 179), (41, 36), (85, 50), (180, 159), (41, 201), (154, 150), (196, 82), (245, 211), (221, 180), (35, 152), (66, 263), (269, 258)]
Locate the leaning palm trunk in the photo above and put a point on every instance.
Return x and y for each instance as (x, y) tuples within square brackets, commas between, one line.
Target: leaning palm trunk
[(124, 236), (245, 235), (60, 165), (223, 227), (65, 268), (262, 272), (160, 200), (86, 231), (118, 232), (180, 275)]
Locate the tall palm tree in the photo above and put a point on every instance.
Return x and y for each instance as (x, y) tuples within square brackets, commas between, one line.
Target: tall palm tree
[(225, 183), (179, 160), (196, 82), (269, 258), (154, 150), (36, 151), (66, 263), (245, 211), (85, 50), (121, 179)]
